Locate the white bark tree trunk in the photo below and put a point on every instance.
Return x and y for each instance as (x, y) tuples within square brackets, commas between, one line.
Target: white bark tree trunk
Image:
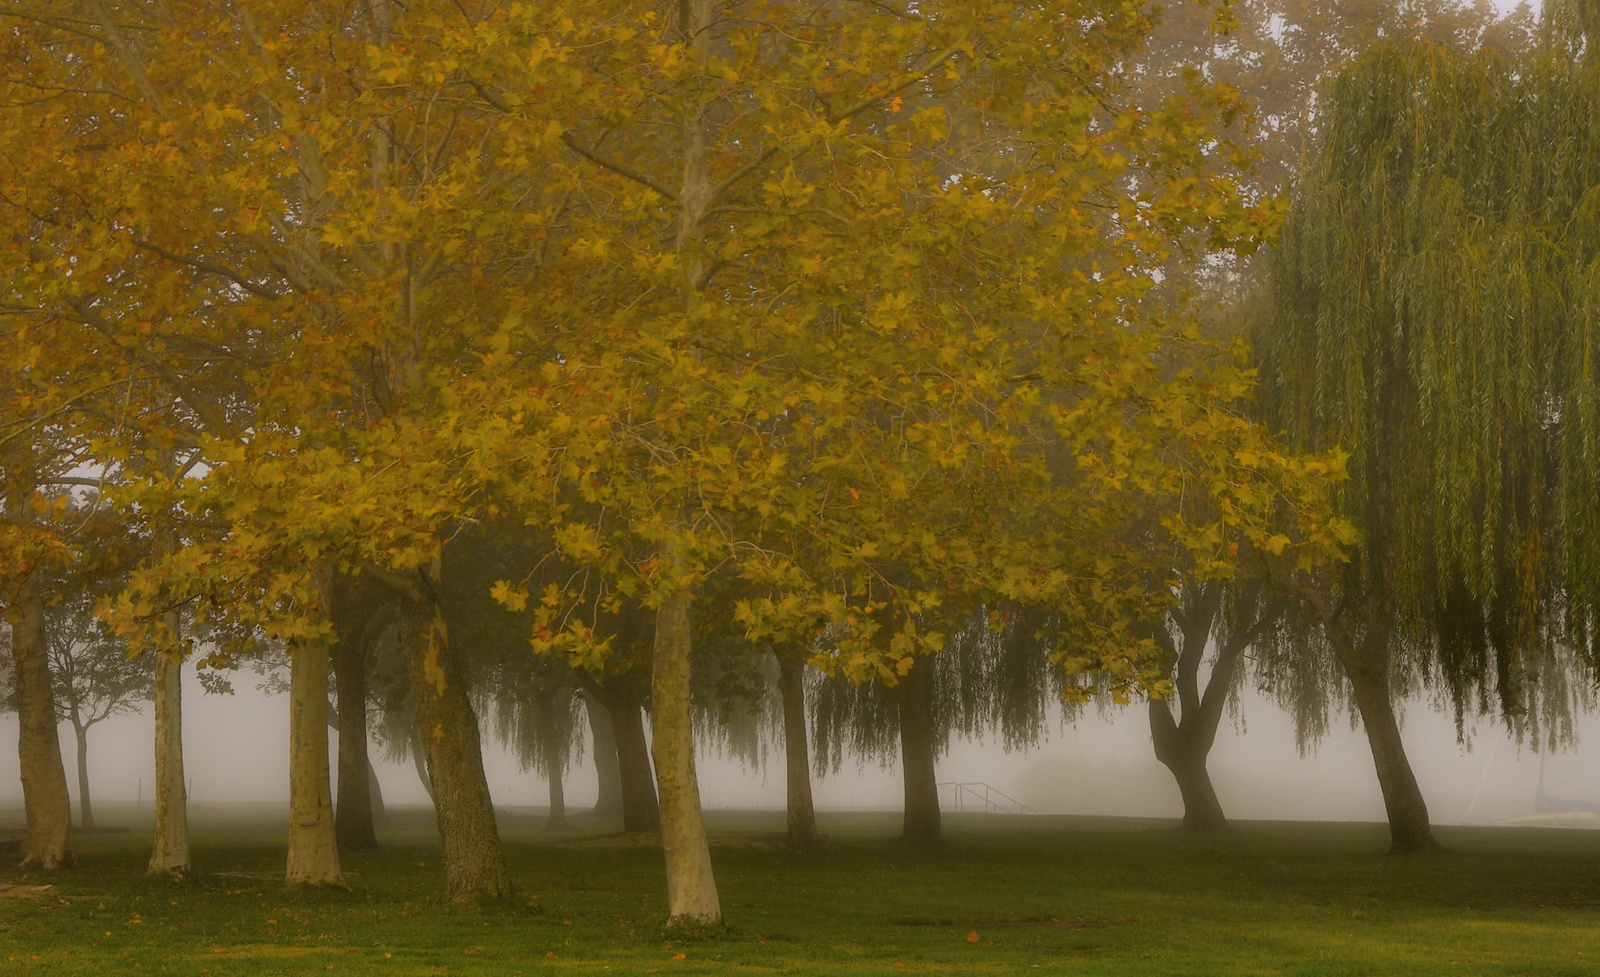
[(691, 888), (169, 854), (313, 852)]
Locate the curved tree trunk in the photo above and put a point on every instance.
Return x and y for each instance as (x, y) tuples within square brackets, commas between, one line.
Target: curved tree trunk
[(419, 761), (922, 821), (691, 888), (640, 809), (313, 852), (797, 758), (85, 808), (608, 802), (353, 824), (1177, 748), (380, 812), (474, 860), (47, 804), (1184, 743), (1366, 664), (169, 855)]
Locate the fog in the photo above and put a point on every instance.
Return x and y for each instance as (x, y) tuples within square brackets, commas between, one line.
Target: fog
[(236, 750)]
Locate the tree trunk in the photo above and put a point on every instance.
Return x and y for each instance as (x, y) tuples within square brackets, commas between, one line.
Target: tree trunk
[(1366, 664), (169, 854), (419, 760), (1177, 749), (797, 758), (47, 804), (640, 809), (380, 811), (554, 760), (474, 860), (558, 793), (922, 823), (353, 825), (313, 852), (608, 803), (691, 889), (85, 808), (1183, 743)]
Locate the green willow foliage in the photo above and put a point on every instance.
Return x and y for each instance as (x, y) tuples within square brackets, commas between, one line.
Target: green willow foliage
[(1431, 307)]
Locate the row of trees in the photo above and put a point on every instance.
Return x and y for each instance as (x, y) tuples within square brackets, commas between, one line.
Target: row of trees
[(562, 346)]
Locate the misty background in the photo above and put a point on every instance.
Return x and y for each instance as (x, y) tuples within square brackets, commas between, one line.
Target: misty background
[(235, 750)]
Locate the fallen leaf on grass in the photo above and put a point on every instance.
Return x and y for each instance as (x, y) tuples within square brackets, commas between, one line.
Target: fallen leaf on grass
[(972, 937)]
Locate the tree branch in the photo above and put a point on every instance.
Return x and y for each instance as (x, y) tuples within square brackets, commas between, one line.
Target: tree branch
[(393, 582), (616, 167), (208, 412), (211, 268)]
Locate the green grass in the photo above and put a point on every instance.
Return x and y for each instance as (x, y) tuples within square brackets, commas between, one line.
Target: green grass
[(1073, 895)]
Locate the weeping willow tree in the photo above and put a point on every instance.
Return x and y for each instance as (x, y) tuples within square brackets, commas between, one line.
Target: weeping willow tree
[(1431, 309), (993, 678)]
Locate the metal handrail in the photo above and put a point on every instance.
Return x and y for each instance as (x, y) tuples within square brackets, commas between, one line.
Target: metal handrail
[(988, 795)]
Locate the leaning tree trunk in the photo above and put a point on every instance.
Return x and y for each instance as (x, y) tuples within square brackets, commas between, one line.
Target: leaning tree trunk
[(169, 855), (1366, 664), (353, 823), (85, 808), (797, 758), (922, 822), (608, 803), (380, 811), (691, 889), (419, 761), (469, 839), (47, 805), (313, 852), (640, 809)]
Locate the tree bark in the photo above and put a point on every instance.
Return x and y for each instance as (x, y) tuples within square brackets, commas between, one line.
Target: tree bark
[(474, 860), (353, 826), (1178, 750), (922, 820), (691, 888), (558, 794), (419, 761), (85, 808), (797, 757), (313, 851), (1184, 742), (380, 811), (169, 854), (1366, 664), (553, 763), (640, 808), (47, 805), (608, 803)]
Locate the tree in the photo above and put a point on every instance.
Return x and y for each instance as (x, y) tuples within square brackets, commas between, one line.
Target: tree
[(94, 678), (1427, 309), (1183, 741), (747, 390)]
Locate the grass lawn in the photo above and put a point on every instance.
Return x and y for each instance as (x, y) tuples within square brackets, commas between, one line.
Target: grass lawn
[(1074, 895)]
